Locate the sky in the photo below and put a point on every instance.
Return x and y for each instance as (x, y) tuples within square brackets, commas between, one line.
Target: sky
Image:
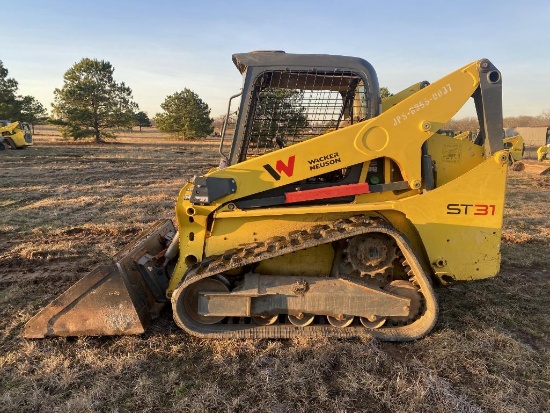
[(161, 47)]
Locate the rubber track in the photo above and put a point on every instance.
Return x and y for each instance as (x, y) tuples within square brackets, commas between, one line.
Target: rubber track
[(299, 240)]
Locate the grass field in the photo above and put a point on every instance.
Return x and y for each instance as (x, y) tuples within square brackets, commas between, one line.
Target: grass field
[(68, 207)]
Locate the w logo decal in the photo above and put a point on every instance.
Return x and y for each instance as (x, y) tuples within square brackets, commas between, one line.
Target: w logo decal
[(281, 167)]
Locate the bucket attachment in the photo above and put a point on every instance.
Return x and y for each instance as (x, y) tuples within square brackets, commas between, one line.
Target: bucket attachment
[(114, 299)]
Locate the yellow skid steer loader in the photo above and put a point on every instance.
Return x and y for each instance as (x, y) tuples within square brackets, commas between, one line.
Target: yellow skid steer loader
[(332, 212), (16, 135)]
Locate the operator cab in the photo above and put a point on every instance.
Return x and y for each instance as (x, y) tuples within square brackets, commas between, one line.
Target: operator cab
[(288, 98)]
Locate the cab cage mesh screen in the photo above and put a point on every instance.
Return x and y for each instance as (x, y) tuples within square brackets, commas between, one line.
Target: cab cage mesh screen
[(288, 107)]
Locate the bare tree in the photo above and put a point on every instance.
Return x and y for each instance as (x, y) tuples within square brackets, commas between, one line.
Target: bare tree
[(462, 125), (524, 120)]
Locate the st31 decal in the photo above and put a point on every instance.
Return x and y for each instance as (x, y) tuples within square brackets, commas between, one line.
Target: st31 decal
[(471, 209), (281, 167)]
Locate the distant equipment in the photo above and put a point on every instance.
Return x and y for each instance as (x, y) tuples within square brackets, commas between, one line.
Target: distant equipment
[(16, 135)]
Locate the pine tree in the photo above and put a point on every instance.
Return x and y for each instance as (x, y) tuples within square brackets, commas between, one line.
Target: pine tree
[(91, 103), (185, 115)]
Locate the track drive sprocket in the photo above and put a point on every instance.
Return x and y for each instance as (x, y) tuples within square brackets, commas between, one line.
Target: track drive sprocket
[(369, 255)]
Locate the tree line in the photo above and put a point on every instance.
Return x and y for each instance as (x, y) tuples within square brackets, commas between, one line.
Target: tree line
[(17, 107), (471, 123), (92, 104)]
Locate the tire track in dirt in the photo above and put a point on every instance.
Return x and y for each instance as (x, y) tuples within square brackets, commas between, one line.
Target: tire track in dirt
[(19, 264)]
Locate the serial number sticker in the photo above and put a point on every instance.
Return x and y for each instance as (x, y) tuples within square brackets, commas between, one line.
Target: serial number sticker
[(450, 153), (422, 104)]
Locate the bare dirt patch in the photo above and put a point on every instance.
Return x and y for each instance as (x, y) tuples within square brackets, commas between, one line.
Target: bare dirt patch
[(66, 208)]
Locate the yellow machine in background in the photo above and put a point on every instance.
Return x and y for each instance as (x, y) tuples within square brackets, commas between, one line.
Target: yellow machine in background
[(516, 146), (542, 153), (467, 135), (16, 135), (331, 214)]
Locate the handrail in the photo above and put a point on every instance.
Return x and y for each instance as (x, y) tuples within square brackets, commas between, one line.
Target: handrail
[(225, 125)]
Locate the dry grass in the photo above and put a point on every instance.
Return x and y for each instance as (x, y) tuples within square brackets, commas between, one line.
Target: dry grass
[(65, 208)]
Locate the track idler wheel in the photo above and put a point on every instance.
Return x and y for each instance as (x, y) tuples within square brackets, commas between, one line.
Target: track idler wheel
[(373, 322), (191, 298), (265, 320), (301, 320), (406, 289), (341, 321)]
